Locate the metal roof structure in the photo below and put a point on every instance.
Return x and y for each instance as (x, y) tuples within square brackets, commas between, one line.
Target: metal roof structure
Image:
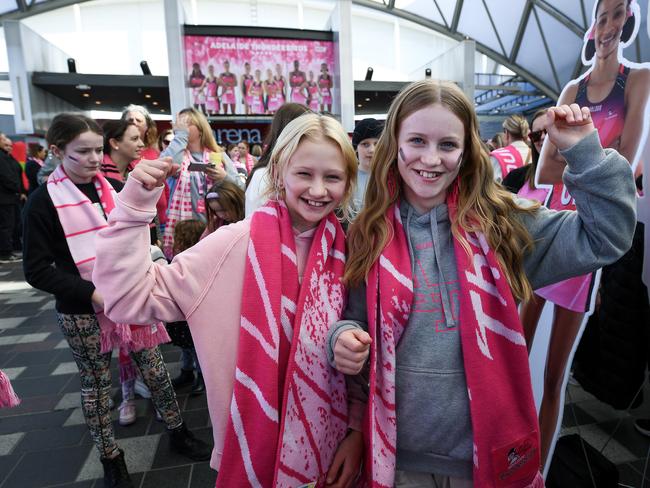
[(540, 40)]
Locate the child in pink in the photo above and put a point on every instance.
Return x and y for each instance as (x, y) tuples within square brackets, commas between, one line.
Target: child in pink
[(262, 352)]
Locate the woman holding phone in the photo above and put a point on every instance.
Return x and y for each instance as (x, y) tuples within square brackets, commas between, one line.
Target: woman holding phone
[(201, 162)]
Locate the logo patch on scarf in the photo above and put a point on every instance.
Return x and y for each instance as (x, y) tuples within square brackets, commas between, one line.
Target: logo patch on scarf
[(516, 461)]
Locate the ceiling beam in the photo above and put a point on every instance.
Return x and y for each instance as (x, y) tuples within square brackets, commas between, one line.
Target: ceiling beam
[(456, 18), (577, 29), (545, 88), (548, 51), (521, 29)]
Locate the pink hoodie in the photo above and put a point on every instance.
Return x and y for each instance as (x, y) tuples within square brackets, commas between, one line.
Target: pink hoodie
[(202, 285)]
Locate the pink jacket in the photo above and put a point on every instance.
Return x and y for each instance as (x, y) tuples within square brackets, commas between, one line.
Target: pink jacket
[(202, 285)]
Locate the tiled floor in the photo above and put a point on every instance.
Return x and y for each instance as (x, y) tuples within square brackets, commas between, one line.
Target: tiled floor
[(44, 442)]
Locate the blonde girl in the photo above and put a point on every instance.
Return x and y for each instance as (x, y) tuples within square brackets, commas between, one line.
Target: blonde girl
[(262, 351)]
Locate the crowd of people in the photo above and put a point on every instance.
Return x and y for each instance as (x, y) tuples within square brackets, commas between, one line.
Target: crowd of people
[(347, 306)]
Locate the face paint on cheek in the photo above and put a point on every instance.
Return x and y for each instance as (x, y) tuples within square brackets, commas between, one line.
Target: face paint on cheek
[(72, 158), (406, 158)]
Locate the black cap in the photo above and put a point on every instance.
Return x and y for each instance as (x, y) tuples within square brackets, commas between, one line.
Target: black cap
[(366, 129)]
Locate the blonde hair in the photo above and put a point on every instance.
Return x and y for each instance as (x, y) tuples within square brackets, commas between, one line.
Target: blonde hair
[(207, 137), (483, 205), (517, 127), (311, 127)]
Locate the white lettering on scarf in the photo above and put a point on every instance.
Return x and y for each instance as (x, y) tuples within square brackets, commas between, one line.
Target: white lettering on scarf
[(484, 322)]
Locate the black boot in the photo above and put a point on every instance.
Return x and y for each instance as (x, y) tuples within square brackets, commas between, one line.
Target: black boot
[(185, 377), (198, 386), (184, 443), (115, 472)]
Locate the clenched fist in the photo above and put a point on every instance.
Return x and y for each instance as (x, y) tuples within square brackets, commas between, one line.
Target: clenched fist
[(351, 351)]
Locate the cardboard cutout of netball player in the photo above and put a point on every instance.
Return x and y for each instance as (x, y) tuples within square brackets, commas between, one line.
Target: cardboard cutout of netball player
[(616, 91)]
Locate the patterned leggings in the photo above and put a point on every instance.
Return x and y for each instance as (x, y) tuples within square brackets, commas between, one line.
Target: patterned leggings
[(82, 333)]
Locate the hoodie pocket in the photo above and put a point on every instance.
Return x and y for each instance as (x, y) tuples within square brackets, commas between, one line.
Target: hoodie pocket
[(433, 414)]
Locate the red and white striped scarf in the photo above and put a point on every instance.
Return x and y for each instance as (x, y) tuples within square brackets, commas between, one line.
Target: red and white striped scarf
[(8, 397), (288, 411), (81, 221), (504, 420), (180, 206)]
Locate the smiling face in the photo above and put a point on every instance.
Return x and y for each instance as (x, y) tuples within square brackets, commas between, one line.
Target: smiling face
[(131, 144), (610, 19), (314, 182), (431, 144), (82, 156)]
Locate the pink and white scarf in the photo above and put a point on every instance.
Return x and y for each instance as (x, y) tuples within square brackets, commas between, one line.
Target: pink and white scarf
[(288, 411), (504, 420), (8, 397), (180, 206), (81, 221)]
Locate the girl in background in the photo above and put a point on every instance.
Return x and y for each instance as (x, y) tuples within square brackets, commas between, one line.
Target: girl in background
[(224, 205), (438, 257), (292, 252), (516, 152), (193, 144), (61, 219), (140, 116), (186, 234)]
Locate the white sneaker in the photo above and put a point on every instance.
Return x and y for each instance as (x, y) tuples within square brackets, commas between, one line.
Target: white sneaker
[(141, 389), (127, 412)]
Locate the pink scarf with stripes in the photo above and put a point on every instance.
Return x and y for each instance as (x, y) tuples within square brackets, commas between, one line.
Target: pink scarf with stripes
[(288, 411), (504, 420), (180, 206), (81, 220)]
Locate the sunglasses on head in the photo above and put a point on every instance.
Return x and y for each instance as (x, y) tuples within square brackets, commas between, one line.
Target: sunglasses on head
[(536, 135)]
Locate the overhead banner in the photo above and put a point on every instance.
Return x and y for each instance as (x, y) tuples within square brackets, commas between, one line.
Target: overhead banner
[(233, 75)]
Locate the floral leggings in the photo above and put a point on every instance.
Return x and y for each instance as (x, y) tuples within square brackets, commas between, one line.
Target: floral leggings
[(82, 333)]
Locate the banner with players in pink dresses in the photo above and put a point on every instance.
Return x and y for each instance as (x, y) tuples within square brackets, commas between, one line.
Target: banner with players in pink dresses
[(255, 76)]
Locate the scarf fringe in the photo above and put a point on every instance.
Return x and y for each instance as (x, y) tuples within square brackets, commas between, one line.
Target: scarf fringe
[(8, 397), (133, 338)]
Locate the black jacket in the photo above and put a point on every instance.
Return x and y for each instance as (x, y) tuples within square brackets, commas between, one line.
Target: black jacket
[(11, 183)]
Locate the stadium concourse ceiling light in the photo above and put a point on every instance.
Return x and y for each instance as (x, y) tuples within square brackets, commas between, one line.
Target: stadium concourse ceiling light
[(72, 66), (369, 74), (427, 73)]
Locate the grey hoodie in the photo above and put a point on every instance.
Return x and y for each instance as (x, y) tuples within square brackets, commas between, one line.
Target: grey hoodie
[(433, 419)]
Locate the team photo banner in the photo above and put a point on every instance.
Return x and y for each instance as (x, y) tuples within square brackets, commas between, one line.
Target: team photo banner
[(234, 75)]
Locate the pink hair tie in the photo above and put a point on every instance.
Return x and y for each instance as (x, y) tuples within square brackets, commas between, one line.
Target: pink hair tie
[(212, 195)]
